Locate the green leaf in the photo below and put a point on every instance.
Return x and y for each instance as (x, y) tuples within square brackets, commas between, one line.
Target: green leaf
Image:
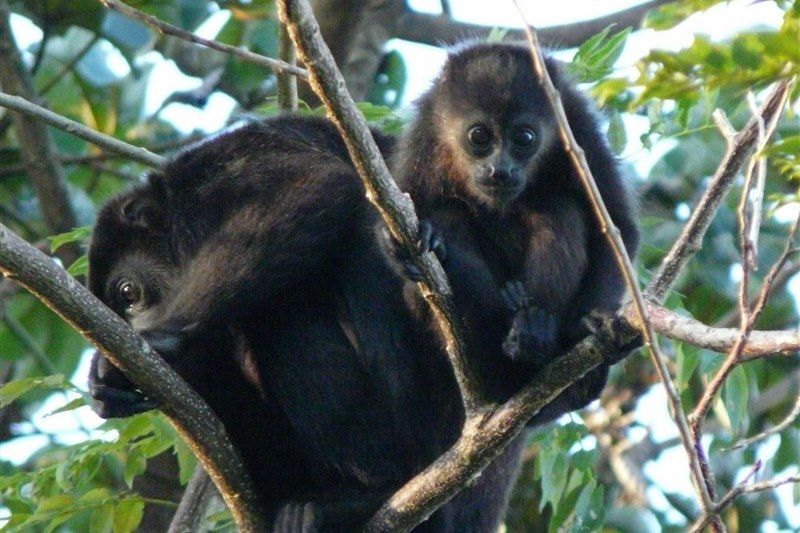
[(135, 464), (80, 267), (617, 136), (596, 57), (128, 515), (686, 358), (186, 460), (54, 502), (589, 509), (736, 392), (102, 519), (95, 495), (14, 389), (69, 406), (76, 235)]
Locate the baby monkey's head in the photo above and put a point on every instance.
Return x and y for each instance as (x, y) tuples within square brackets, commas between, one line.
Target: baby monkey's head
[(493, 122)]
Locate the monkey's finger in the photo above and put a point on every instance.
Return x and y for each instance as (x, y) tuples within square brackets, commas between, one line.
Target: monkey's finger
[(122, 409)]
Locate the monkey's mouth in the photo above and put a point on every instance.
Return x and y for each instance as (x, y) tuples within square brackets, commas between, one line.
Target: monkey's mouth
[(500, 190)]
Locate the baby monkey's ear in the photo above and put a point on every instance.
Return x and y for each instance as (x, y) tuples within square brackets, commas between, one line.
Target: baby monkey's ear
[(141, 212), (144, 208)]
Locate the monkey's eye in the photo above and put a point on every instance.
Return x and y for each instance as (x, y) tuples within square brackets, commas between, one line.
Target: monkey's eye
[(479, 136), (130, 293), (523, 137)]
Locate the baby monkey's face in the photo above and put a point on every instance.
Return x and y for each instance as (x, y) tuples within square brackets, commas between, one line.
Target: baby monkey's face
[(492, 154)]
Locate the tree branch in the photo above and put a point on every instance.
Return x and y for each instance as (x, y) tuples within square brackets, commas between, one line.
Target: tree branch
[(721, 340), (275, 65), (287, 84), (111, 144), (191, 511), (483, 438), (612, 236), (191, 416), (738, 147), (395, 207), (35, 145), (438, 30)]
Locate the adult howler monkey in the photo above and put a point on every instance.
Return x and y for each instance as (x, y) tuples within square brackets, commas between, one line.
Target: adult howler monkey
[(253, 258)]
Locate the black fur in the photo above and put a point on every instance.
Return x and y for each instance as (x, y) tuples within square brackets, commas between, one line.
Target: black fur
[(264, 285)]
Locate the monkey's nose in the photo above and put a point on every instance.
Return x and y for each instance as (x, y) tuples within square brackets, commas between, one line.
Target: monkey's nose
[(503, 176)]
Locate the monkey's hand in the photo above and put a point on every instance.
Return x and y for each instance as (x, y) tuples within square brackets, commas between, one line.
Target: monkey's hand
[(113, 394), (609, 331), (296, 517), (429, 240), (533, 337)]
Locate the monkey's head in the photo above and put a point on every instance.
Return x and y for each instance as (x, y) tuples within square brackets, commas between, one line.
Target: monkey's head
[(131, 266), (131, 263), (492, 125)]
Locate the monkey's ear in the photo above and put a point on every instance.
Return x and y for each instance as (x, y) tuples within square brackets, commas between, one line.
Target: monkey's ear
[(141, 212)]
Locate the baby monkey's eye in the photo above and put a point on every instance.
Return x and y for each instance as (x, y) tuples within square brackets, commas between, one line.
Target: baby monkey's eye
[(479, 135), (523, 137), (131, 293)]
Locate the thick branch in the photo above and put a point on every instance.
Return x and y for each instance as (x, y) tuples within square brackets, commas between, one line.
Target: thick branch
[(738, 148), (483, 438), (35, 145), (275, 65), (721, 340), (394, 206), (111, 144), (192, 417), (438, 30)]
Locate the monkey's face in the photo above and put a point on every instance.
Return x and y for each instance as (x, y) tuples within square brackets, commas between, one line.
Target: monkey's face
[(130, 264), (491, 155)]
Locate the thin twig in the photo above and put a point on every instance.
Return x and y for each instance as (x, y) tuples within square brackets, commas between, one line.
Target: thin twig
[(287, 84), (703, 405), (740, 489), (275, 65), (395, 207), (111, 144), (198, 494), (781, 280), (611, 233), (787, 421), (738, 147), (30, 343), (69, 65)]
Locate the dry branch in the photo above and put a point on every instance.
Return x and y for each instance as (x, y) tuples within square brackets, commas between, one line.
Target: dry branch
[(612, 235), (36, 147), (738, 147), (438, 30), (275, 65), (191, 416), (722, 340), (111, 144)]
